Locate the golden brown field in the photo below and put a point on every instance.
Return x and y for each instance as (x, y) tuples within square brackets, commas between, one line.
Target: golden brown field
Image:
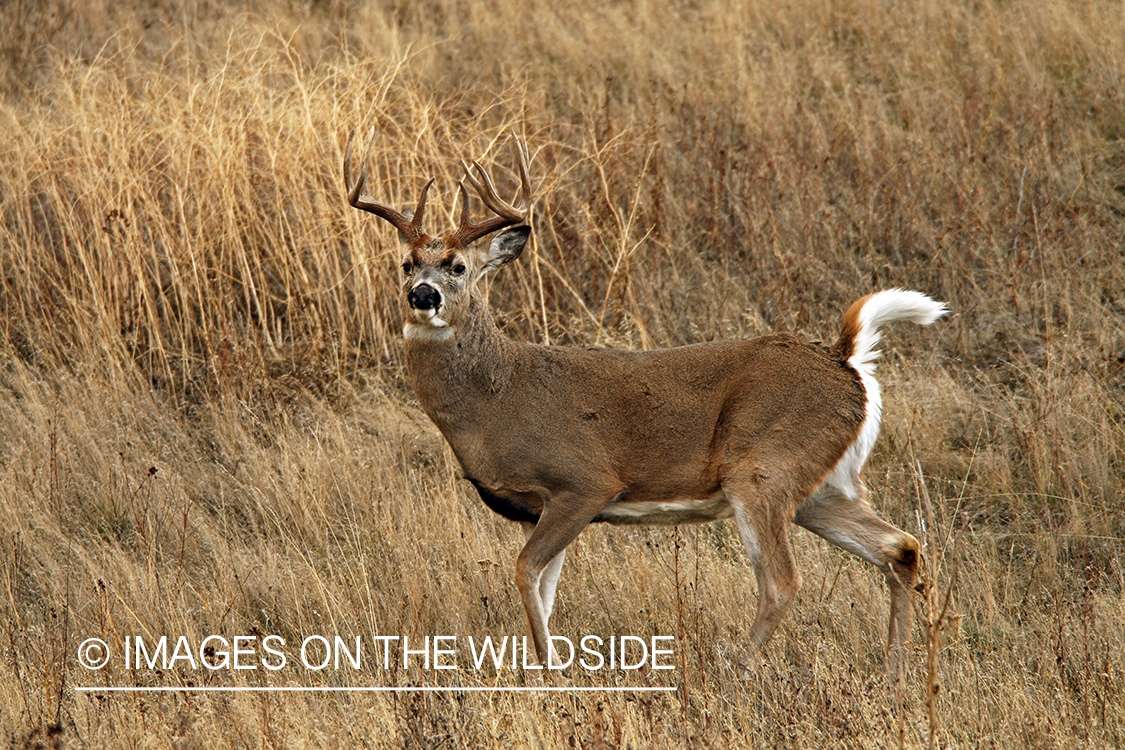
[(204, 426)]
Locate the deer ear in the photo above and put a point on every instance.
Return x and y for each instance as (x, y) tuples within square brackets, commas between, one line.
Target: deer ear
[(504, 248)]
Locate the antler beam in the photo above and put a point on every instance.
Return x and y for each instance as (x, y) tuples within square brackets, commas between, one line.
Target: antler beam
[(507, 214), (411, 227)]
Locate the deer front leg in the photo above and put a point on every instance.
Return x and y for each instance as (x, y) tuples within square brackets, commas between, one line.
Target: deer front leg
[(540, 562)]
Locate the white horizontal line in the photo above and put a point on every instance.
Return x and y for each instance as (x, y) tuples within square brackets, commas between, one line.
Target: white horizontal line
[(391, 689)]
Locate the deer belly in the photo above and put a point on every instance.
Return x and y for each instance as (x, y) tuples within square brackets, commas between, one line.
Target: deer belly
[(670, 512)]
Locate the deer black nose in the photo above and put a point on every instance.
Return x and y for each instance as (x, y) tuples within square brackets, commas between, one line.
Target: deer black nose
[(424, 297)]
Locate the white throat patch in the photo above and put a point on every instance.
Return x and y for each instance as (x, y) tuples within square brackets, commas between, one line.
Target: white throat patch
[(427, 332)]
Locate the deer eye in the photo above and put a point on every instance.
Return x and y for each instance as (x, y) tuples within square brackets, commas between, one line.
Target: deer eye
[(407, 269), (459, 269)]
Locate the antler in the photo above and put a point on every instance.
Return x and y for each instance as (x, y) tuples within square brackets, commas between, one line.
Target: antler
[(411, 227), (507, 214)]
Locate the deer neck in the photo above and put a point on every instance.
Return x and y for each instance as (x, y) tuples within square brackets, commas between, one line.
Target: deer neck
[(457, 374)]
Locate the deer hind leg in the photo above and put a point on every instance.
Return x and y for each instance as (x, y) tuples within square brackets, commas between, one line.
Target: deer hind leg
[(762, 513), (847, 520)]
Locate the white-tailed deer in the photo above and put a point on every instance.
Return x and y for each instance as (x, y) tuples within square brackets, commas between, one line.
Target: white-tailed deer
[(768, 430)]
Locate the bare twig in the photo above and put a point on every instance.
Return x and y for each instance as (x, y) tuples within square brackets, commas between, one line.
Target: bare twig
[(934, 620)]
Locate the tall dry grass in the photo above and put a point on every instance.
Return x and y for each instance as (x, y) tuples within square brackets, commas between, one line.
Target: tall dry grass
[(205, 429)]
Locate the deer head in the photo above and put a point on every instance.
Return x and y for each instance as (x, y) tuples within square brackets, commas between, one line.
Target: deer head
[(440, 273)]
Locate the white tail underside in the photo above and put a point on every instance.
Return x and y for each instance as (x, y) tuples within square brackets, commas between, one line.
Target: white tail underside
[(880, 308)]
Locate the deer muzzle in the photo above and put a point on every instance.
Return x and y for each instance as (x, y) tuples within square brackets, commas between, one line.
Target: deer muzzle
[(424, 297)]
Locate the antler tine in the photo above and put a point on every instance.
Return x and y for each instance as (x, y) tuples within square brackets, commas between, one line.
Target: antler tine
[(506, 213), (487, 190), (525, 181), (464, 203), (410, 227)]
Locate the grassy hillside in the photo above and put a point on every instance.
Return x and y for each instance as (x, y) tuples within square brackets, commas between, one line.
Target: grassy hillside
[(204, 426)]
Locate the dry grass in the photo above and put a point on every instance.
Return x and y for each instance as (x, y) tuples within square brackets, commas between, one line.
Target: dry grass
[(203, 423)]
